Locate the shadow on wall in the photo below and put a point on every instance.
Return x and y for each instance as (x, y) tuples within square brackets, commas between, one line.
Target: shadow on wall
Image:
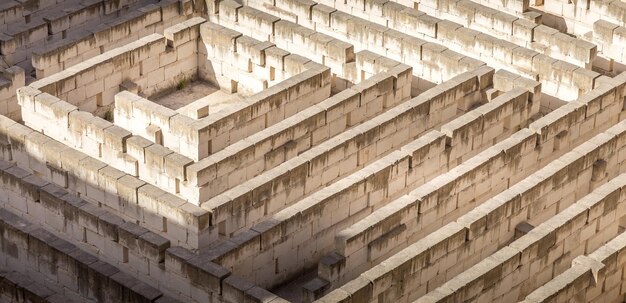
[(553, 21), (71, 229)]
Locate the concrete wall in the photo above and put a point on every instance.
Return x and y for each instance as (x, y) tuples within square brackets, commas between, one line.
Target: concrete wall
[(147, 62), (323, 214), (287, 197), (392, 19), (558, 77), (488, 18), (63, 54), (514, 8), (543, 253), (167, 169), (527, 200), (234, 210), (39, 26), (138, 252), (578, 17), (372, 239), (79, 276), (103, 140), (45, 257), (132, 154), (327, 164), (54, 50), (597, 277), (293, 136), (199, 138), (11, 79), (95, 230), (318, 47), (504, 81), (183, 223), (610, 39), (18, 288), (237, 63), (431, 62)]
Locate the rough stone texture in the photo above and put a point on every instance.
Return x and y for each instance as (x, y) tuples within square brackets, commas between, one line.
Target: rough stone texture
[(297, 150)]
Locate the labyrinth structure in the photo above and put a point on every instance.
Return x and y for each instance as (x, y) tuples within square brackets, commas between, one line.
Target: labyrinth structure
[(298, 151)]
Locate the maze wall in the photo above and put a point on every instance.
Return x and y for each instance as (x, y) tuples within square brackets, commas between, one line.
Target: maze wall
[(302, 151)]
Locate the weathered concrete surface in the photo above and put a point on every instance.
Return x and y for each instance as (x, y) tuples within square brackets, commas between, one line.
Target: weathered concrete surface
[(338, 151)]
